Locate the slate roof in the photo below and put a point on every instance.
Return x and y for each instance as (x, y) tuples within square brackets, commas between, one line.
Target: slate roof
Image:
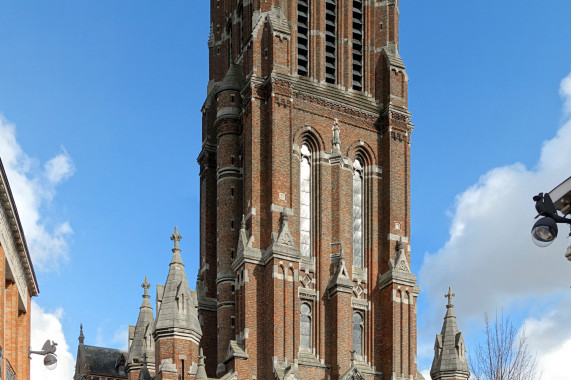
[(233, 81), (449, 348), (143, 341), (178, 308), (104, 360)]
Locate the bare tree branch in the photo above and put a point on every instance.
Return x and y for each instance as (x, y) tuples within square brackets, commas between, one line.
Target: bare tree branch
[(504, 355)]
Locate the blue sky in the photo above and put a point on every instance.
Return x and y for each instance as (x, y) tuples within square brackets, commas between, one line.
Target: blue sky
[(101, 124)]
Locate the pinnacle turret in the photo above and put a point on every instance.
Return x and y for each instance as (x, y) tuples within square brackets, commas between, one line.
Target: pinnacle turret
[(143, 344), (177, 309), (81, 337), (449, 350)]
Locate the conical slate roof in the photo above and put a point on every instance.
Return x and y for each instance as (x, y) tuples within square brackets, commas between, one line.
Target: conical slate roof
[(143, 341), (234, 79), (449, 348), (178, 310)]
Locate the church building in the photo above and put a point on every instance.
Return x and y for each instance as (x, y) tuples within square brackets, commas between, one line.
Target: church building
[(305, 193), (304, 268)]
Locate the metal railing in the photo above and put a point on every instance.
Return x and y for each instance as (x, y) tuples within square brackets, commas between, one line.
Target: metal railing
[(10, 373)]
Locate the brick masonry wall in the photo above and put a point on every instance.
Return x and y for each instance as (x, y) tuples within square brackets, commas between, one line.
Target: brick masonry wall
[(278, 117)]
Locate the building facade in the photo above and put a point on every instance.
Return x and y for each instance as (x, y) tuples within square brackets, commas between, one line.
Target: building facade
[(305, 193), (19, 284), (304, 268)]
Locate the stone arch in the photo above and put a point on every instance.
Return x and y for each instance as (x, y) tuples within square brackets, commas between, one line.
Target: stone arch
[(310, 136), (361, 149)]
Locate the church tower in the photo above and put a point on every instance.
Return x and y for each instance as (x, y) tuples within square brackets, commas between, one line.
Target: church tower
[(305, 193)]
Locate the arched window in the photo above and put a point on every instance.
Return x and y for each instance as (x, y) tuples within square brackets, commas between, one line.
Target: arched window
[(358, 334), (358, 213), (305, 326), (305, 202)]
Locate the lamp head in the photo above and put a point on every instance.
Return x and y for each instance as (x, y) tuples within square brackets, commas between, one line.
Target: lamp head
[(50, 361), (544, 231)]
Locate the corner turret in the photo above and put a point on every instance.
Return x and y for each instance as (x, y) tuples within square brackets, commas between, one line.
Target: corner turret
[(449, 349), (143, 344), (177, 330)]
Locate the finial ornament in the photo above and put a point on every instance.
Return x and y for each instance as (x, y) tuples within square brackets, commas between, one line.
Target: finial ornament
[(243, 225), (176, 238), (201, 357), (81, 337), (352, 357), (449, 296), (145, 285)]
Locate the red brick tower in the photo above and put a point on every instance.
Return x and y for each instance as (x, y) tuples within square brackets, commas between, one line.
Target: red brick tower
[(305, 201)]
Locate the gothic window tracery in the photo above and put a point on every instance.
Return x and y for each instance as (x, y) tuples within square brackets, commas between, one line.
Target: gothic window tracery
[(305, 326), (358, 334), (305, 202), (358, 213)]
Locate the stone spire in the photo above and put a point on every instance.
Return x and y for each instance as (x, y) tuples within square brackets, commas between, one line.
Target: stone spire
[(178, 310), (143, 344), (449, 349), (81, 337)]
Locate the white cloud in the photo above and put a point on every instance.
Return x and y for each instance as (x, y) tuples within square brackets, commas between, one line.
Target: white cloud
[(565, 92), (33, 188), (550, 336), (426, 374), (59, 168), (489, 259), (46, 326)]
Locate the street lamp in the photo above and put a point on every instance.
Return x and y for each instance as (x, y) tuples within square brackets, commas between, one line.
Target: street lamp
[(545, 230), (49, 353)]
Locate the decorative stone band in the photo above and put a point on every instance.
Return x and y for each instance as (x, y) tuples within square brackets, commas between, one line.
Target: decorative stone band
[(230, 172), (174, 332), (397, 277), (308, 294), (207, 304), (225, 276), (361, 304)]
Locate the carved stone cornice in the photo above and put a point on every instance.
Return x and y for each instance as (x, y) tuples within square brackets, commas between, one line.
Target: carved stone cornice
[(14, 243), (397, 119)]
